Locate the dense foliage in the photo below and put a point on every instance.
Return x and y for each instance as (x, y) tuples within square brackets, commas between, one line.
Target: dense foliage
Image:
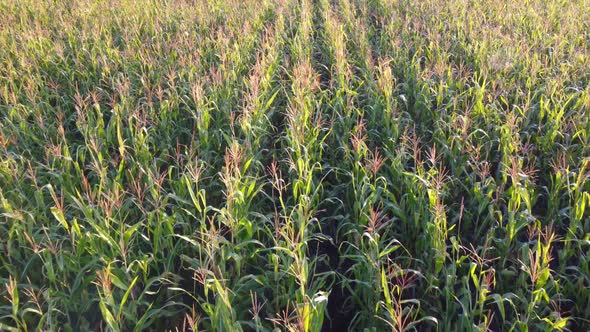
[(294, 165)]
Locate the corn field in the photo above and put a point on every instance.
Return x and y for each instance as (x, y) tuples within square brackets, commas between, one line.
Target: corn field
[(294, 165)]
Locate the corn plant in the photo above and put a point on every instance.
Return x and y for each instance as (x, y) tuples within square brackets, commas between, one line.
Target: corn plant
[(294, 165)]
